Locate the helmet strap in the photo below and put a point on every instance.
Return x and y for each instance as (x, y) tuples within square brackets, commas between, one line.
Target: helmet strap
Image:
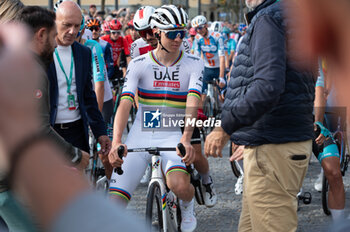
[(160, 43)]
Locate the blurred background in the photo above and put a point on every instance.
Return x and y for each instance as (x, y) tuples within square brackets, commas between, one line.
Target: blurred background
[(213, 10)]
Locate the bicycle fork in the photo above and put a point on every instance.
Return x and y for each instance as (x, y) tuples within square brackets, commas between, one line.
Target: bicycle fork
[(169, 200)]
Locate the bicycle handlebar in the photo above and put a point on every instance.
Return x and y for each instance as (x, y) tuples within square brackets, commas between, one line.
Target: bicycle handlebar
[(121, 150), (150, 150)]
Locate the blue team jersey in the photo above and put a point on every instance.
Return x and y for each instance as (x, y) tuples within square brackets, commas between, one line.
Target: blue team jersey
[(231, 46), (98, 63), (212, 48)]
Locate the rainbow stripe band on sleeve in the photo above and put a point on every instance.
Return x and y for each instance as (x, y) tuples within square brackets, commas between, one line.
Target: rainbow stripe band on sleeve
[(128, 95), (195, 93), (177, 168), (120, 192)]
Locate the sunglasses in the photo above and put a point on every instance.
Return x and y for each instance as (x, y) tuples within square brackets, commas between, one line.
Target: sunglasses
[(94, 28), (144, 33), (115, 32), (173, 34), (199, 28)]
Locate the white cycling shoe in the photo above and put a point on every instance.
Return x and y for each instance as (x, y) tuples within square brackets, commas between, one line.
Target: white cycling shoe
[(189, 221), (239, 185), (210, 196)]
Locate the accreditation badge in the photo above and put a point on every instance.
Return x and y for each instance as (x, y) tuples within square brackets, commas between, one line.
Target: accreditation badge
[(71, 102)]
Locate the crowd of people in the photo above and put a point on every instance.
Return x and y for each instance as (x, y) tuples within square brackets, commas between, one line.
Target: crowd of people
[(63, 65)]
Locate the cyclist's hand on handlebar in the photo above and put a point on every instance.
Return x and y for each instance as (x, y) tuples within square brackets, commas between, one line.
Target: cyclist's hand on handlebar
[(221, 82), (190, 155), (320, 138), (105, 144), (113, 156)]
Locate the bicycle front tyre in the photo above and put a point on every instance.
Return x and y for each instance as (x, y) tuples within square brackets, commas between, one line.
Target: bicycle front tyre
[(154, 217), (234, 164)]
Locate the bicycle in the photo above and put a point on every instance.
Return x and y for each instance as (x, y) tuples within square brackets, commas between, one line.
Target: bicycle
[(162, 208), (96, 169), (237, 169), (117, 88), (211, 102), (339, 137)]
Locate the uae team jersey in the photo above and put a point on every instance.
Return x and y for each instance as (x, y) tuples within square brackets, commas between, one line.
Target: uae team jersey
[(161, 86), (140, 47), (212, 48)]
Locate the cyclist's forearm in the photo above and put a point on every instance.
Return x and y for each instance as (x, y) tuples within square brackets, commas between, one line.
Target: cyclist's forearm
[(222, 66), (120, 120), (100, 91), (128, 59), (227, 62), (319, 104), (191, 113)]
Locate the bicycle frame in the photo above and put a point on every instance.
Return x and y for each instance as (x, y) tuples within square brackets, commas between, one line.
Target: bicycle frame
[(169, 200), (213, 95), (169, 206)]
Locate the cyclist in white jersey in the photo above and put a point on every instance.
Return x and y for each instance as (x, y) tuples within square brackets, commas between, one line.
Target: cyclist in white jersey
[(169, 80), (210, 44), (143, 45)]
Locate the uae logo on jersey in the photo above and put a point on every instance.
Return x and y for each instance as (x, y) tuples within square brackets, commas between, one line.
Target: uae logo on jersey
[(166, 80), (152, 118)]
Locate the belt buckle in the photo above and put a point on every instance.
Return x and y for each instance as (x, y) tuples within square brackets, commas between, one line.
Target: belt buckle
[(63, 127)]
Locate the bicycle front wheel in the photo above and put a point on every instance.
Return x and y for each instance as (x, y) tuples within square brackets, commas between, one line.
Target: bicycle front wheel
[(325, 188), (234, 165), (154, 217)]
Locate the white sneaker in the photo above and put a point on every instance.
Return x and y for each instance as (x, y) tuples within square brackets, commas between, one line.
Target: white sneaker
[(239, 185), (210, 196), (189, 221), (147, 176), (318, 182)]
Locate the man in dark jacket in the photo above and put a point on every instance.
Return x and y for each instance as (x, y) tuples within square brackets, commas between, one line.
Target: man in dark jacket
[(268, 109), (73, 102)]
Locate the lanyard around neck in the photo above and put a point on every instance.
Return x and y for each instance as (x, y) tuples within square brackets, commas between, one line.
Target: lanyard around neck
[(69, 80)]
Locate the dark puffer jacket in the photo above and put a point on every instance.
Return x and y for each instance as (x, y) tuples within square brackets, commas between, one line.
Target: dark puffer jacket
[(267, 101)]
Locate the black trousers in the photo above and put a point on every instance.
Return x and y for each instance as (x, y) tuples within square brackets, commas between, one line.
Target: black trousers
[(74, 133)]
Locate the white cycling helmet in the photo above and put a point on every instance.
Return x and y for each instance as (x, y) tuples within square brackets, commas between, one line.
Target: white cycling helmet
[(216, 26), (142, 17), (198, 21), (169, 17), (57, 4)]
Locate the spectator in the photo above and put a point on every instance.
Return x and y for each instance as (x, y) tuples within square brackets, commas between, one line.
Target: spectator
[(92, 11), (73, 101), (9, 10), (268, 108)]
